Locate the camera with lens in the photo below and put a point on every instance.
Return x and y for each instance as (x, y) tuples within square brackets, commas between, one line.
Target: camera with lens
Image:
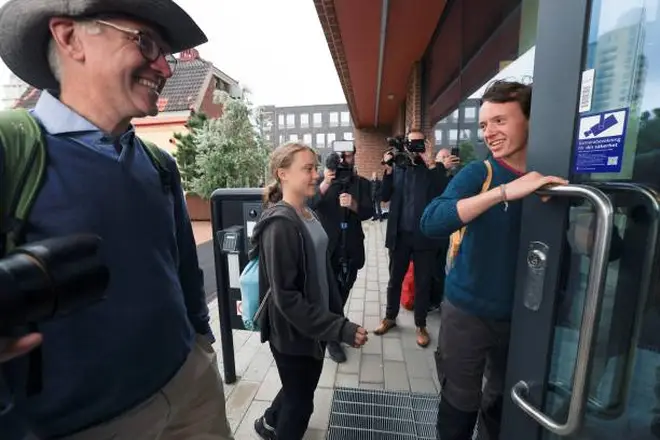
[(50, 278), (404, 151), (337, 162), (47, 279)]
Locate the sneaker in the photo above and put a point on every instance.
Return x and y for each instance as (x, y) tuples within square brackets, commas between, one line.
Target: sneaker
[(336, 352), (263, 430)]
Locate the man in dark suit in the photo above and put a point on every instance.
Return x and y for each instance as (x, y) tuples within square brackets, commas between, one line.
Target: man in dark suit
[(409, 189)]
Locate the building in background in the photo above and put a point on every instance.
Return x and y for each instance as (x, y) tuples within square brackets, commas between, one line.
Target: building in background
[(191, 88), (315, 125), (460, 129), (12, 90)]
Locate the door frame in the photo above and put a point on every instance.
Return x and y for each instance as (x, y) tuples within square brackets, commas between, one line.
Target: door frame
[(562, 33)]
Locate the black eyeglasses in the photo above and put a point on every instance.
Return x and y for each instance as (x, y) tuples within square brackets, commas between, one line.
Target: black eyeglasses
[(149, 48)]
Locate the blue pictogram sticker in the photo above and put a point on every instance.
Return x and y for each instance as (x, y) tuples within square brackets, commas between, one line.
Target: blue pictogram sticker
[(600, 140)]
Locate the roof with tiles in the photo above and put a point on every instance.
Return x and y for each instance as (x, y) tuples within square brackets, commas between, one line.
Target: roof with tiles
[(182, 92)]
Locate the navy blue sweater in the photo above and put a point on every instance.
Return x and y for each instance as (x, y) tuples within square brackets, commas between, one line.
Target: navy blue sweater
[(102, 360), (482, 281)]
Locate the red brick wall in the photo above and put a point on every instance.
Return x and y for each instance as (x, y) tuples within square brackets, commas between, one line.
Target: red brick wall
[(370, 144), (208, 107), (198, 208), (414, 99)]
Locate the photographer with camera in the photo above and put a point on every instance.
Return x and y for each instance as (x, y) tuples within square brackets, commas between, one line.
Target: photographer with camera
[(343, 202), (410, 182)]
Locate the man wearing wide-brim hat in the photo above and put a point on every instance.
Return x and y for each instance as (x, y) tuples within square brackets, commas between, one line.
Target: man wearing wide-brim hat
[(140, 364)]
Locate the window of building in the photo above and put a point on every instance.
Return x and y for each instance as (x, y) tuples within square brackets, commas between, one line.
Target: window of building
[(345, 118), (453, 135), (334, 119), (267, 136), (470, 113), (438, 137), (331, 139), (290, 121), (454, 115), (348, 136), (466, 134), (281, 139), (293, 137), (304, 120), (307, 139), (320, 140), (280, 120), (318, 120)]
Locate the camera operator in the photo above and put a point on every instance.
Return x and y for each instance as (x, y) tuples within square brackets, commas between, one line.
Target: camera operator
[(343, 202), (410, 182)]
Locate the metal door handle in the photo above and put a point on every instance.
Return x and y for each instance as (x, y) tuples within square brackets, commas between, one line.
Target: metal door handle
[(594, 293)]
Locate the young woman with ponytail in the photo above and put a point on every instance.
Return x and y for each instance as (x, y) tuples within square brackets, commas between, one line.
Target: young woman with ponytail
[(303, 310)]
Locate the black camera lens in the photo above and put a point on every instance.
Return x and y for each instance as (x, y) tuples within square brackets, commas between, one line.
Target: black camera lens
[(49, 278)]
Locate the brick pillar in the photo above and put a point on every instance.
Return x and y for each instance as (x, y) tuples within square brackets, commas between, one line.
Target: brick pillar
[(414, 99), (370, 144)]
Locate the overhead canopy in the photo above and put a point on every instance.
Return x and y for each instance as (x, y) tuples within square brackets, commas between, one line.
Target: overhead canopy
[(374, 44)]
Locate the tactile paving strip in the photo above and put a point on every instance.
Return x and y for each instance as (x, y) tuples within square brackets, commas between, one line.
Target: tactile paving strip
[(382, 415)]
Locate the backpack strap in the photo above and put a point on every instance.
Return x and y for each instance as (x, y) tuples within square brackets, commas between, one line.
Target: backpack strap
[(24, 166), (159, 159)]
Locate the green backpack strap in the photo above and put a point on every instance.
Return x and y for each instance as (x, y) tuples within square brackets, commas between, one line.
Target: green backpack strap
[(24, 166), (160, 159)]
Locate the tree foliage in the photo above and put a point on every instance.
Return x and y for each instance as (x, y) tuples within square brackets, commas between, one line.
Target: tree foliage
[(186, 150), (230, 151)]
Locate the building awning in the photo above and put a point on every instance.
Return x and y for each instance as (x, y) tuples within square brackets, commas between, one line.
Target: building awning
[(374, 44)]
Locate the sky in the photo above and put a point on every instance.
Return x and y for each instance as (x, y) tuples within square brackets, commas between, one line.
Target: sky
[(276, 49)]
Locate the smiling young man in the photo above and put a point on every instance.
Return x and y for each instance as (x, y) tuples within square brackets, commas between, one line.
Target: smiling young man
[(139, 365), (476, 313)]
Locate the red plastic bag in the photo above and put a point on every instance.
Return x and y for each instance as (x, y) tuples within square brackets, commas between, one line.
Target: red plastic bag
[(408, 289)]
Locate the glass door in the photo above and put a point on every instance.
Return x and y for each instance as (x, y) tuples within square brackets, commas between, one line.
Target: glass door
[(585, 349)]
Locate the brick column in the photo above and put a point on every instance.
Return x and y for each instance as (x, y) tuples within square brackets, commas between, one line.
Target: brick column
[(370, 144)]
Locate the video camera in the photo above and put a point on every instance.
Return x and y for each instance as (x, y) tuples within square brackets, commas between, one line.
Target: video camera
[(404, 151), (337, 162), (50, 278)]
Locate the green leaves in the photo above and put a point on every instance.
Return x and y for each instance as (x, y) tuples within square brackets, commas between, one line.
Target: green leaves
[(229, 151)]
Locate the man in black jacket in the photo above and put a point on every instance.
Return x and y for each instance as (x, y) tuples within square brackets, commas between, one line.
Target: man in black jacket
[(337, 203), (376, 185), (409, 189)]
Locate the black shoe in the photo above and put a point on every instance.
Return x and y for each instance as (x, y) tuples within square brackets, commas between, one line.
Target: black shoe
[(336, 352), (261, 429)]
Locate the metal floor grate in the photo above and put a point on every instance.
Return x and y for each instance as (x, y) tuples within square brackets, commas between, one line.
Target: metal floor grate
[(382, 415)]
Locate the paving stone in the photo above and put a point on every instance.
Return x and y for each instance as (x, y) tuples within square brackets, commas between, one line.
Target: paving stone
[(371, 369), (270, 386), (418, 385), (240, 401), (245, 430), (258, 368), (372, 308), (396, 378), (372, 386), (392, 350), (417, 364), (356, 305), (328, 374), (347, 380), (373, 346), (322, 403), (352, 364)]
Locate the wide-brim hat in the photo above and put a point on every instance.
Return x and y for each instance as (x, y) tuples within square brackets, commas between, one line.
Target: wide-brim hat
[(24, 31)]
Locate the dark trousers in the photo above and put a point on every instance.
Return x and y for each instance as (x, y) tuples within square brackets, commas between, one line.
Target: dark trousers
[(294, 404), (469, 349), (344, 290), (424, 263), (438, 286), (378, 210)]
